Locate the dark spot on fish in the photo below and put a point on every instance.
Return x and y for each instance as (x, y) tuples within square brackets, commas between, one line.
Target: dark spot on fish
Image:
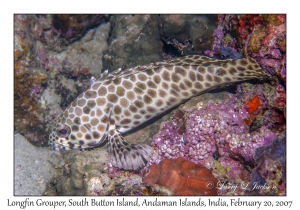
[(166, 76), (86, 110), (120, 91), (141, 85), (151, 84), (117, 81), (217, 79), (88, 136), (102, 91), (152, 93), (250, 67), (147, 99), (138, 104), (125, 121), (201, 70), (243, 62), (180, 71), (142, 77), (220, 72), (175, 87), (77, 121), (112, 98), (232, 71), (208, 77), (240, 68), (151, 109), (132, 108), (149, 72), (137, 116), (117, 109), (75, 128), (227, 79), (142, 112), (90, 94), (156, 79), (91, 103), (175, 77), (211, 70), (192, 76)]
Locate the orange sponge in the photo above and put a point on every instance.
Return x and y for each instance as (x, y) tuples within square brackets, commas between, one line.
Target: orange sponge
[(181, 177), (253, 104)]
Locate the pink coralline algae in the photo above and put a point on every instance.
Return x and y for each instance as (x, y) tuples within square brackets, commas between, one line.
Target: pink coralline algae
[(217, 131)]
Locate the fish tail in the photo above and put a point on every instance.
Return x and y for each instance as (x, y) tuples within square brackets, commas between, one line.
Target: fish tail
[(245, 69)]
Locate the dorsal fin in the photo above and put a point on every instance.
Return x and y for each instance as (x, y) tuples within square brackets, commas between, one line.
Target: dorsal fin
[(92, 81), (187, 60)]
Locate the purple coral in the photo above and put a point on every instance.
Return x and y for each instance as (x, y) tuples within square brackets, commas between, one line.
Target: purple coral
[(218, 36), (36, 91), (217, 128)]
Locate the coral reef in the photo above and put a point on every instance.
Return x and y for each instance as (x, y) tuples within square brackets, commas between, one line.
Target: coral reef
[(230, 134), (181, 177), (89, 173), (271, 168), (218, 136), (29, 81), (271, 111), (48, 71), (126, 184), (208, 128), (253, 104), (262, 37), (58, 31)]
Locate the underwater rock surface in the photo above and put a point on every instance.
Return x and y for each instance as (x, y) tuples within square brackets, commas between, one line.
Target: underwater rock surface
[(47, 77), (33, 172), (142, 39)]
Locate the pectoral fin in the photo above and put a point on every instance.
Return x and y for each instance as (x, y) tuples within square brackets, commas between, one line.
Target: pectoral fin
[(125, 155)]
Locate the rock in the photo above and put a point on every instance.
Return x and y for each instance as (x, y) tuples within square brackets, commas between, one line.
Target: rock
[(134, 41), (194, 30), (32, 168)]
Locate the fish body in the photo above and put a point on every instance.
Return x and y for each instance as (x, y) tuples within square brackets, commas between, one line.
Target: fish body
[(122, 100)]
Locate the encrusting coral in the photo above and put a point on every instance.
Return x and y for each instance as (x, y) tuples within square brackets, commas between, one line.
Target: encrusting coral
[(181, 177)]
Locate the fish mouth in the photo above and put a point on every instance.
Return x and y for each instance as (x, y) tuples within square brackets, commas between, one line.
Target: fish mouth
[(54, 145)]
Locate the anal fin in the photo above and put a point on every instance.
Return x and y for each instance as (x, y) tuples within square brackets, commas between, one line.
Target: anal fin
[(125, 155)]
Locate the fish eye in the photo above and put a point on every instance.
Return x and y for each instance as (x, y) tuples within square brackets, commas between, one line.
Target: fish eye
[(63, 131)]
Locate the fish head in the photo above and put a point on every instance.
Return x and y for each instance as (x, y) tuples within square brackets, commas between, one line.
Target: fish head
[(76, 128)]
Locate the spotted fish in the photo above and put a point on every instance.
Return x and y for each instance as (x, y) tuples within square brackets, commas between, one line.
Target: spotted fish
[(122, 100)]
